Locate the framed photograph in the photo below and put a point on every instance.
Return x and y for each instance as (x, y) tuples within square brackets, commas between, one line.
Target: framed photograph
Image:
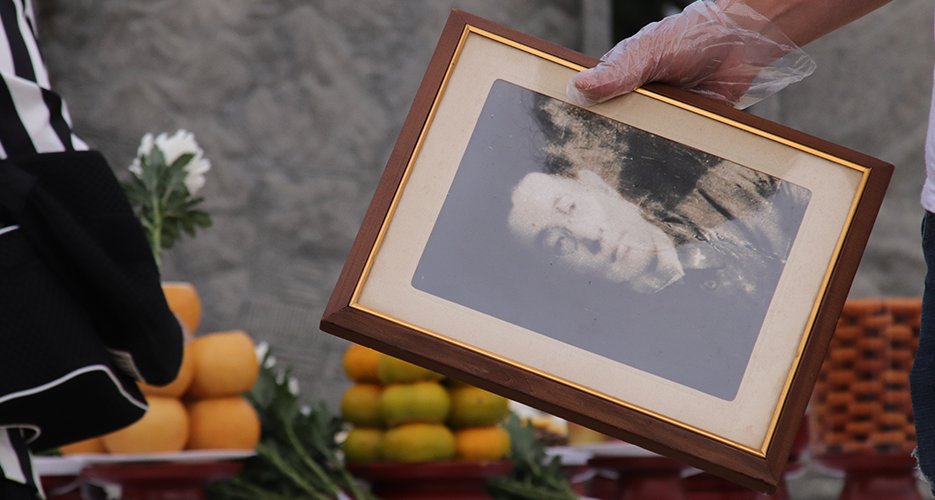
[(660, 268)]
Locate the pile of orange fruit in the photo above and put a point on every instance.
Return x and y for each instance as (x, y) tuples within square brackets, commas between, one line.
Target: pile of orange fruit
[(401, 412), (204, 407)]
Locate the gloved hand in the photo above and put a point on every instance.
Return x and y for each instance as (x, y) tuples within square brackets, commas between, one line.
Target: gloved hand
[(720, 49)]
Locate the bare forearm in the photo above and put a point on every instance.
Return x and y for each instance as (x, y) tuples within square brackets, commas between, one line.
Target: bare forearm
[(804, 21)]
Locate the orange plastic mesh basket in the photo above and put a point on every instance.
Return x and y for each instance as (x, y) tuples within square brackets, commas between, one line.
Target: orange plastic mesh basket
[(861, 402)]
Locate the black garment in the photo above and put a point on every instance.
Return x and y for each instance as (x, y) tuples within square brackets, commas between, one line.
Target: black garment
[(11, 490), (922, 376), (80, 297)]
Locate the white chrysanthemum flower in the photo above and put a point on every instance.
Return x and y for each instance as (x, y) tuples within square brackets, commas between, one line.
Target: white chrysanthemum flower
[(261, 349), (136, 168), (146, 145), (180, 143), (196, 169)]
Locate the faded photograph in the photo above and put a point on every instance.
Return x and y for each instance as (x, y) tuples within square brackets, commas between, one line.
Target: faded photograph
[(632, 207), (613, 240)]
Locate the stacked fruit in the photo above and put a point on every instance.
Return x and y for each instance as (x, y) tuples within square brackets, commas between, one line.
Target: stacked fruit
[(401, 412), (202, 409)]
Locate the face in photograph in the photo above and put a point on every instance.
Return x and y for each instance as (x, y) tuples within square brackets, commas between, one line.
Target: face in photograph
[(584, 223)]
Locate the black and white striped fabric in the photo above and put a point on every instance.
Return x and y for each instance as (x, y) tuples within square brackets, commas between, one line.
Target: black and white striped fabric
[(15, 463), (33, 119)]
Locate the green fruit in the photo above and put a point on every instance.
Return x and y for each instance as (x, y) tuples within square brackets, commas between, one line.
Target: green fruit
[(392, 370), (475, 407), (361, 405), (363, 445), (418, 443), (418, 402)]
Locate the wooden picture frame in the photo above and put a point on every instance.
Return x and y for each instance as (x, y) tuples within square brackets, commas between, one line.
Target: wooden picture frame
[(702, 345)]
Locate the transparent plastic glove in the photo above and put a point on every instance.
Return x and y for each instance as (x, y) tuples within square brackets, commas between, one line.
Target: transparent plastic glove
[(723, 50)]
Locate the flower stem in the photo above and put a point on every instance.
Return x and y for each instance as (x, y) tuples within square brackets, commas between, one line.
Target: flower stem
[(273, 456), (320, 474), (155, 238)]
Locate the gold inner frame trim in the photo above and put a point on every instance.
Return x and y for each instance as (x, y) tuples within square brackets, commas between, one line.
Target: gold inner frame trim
[(468, 29)]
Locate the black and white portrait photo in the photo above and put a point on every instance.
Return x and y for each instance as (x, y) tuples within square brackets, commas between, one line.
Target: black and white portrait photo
[(612, 239)]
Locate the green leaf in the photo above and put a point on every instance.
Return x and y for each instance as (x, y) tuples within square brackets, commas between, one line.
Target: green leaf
[(181, 161)]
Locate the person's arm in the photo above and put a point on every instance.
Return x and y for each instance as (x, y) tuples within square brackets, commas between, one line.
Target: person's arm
[(718, 47), (805, 21)]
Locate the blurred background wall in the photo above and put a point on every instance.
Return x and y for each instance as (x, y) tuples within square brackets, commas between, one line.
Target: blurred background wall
[(298, 103), (871, 93)]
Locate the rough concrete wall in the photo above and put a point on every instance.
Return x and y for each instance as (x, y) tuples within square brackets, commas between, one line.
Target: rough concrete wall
[(297, 104)]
